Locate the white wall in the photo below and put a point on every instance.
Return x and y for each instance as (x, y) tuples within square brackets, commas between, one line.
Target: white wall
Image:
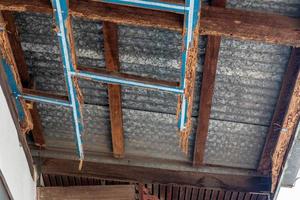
[(13, 163)]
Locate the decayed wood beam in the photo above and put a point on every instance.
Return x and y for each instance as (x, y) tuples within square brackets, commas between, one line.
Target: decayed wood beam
[(11, 70), (22, 138), (207, 91), (155, 175), (111, 54), (232, 23), (14, 39), (15, 43), (284, 122), (104, 192)]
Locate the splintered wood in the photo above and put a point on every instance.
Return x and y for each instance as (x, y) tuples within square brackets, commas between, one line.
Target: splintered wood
[(287, 132), (190, 77), (7, 54)]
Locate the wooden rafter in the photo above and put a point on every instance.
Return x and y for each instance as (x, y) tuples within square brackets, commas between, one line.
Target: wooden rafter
[(110, 34), (233, 23), (14, 40), (207, 91), (154, 175), (284, 122), (9, 63), (104, 192)]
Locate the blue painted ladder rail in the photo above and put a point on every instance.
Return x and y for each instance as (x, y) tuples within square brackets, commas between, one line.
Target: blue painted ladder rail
[(191, 11)]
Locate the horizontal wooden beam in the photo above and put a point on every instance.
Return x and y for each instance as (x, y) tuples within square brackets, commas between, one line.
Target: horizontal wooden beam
[(227, 22), (250, 25), (27, 91), (154, 175), (131, 77), (104, 192)]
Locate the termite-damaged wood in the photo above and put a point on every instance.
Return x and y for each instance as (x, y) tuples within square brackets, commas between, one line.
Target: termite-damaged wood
[(22, 137), (232, 23), (14, 39), (191, 65), (286, 91), (15, 43), (78, 93), (207, 91), (6, 52), (111, 53), (284, 122)]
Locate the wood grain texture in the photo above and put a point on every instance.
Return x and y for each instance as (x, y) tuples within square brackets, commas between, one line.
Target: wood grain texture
[(155, 175), (232, 23), (15, 43), (207, 91), (108, 192), (250, 25), (14, 39), (7, 53), (289, 125), (129, 77), (284, 123), (13, 112), (111, 55)]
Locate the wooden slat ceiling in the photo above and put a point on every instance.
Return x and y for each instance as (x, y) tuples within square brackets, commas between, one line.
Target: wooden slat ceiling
[(161, 191)]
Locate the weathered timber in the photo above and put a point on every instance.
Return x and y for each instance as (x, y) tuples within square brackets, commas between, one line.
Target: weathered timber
[(233, 23), (207, 91), (284, 122), (107, 192), (154, 175), (23, 72), (111, 54)]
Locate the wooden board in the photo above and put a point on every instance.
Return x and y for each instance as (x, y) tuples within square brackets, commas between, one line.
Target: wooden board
[(111, 55), (108, 192)]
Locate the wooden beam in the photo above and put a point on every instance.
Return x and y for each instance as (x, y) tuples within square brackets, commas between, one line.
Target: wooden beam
[(250, 25), (155, 175), (232, 23), (284, 122), (7, 57), (23, 72), (130, 77), (111, 54), (207, 91), (27, 91), (107, 192), (15, 43), (12, 108)]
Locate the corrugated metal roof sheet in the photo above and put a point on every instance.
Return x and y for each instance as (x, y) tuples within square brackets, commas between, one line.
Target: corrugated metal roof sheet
[(247, 85)]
